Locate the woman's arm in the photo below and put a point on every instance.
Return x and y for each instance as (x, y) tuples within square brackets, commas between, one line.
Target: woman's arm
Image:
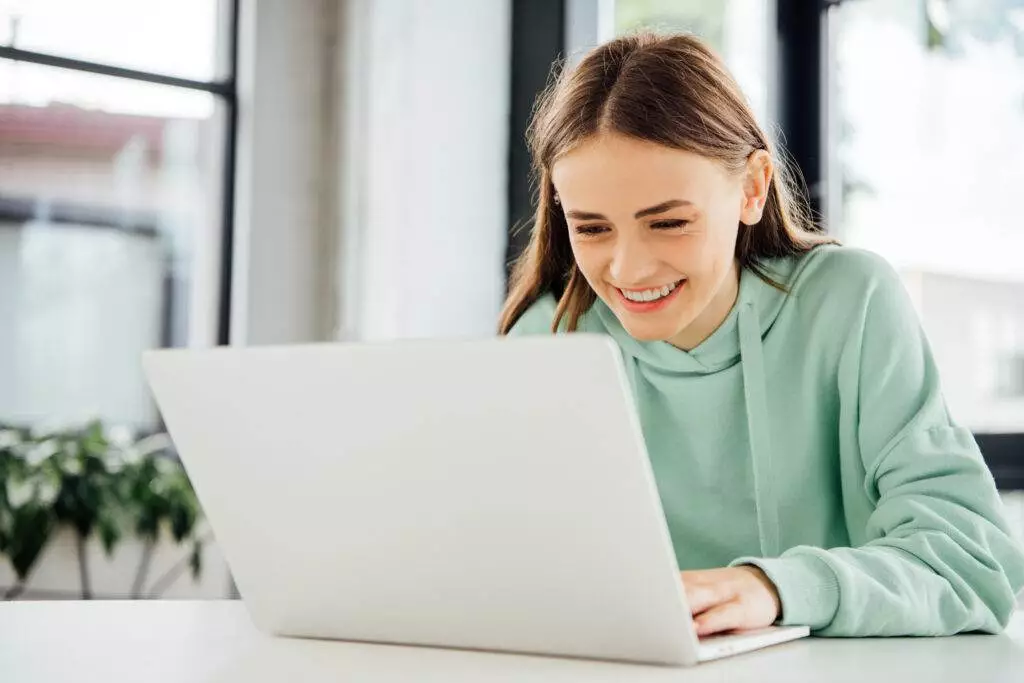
[(939, 558)]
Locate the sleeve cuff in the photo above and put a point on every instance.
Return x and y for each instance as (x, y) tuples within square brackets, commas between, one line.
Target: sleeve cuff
[(808, 588)]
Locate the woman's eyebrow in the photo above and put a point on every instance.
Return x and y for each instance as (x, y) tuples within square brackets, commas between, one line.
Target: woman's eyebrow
[(649, 211), (586, 216), (661, 208)]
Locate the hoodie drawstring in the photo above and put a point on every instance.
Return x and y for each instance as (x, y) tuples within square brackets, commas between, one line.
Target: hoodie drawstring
[(752, 362)]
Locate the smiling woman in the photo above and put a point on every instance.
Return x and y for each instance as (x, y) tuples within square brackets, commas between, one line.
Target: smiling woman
[(808, 468), (617, 168)]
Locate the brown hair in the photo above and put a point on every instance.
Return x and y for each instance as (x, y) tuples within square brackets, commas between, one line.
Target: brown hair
[(671, 90)]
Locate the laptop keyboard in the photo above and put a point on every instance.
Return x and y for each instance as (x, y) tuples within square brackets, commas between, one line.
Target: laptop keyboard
[(726, 638)]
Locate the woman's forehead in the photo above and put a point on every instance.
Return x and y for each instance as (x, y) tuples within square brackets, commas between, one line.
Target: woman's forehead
[(609, 167)]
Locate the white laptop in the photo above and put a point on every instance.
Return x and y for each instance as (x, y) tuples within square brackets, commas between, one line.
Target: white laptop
[(491, 494)]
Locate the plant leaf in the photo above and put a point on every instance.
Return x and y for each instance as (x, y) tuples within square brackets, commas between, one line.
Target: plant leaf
[(109, 533), (195, 561), (30, 531)]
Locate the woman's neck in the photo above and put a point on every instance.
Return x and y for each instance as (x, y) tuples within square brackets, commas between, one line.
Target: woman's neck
[(713, 315)]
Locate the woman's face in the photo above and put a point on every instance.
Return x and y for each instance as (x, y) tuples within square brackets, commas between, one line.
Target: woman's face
[(653, 230)]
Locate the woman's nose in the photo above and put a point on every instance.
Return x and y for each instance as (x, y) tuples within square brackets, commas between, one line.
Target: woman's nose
[(632, 263)]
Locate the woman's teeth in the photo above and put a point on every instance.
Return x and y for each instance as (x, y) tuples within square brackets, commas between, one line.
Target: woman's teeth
[(649, 294)]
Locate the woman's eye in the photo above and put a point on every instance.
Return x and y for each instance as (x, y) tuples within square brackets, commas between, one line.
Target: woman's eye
[(590, 230), (669, 224)]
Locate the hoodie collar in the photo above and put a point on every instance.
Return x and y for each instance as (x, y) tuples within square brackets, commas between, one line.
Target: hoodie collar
[(720, 350)]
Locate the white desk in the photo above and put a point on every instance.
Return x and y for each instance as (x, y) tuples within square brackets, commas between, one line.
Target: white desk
[(214, 642)]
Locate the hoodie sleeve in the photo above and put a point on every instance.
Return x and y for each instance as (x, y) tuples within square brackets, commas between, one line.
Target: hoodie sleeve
[(939, 557)]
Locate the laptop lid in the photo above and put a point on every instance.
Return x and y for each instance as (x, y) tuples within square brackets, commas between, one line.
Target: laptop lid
[(492, 494)]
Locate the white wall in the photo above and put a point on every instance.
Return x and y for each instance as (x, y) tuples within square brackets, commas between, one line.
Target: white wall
[(1014, 502), (10, 279), (372, 169), (280, 259), (976, 331), (423, 129)]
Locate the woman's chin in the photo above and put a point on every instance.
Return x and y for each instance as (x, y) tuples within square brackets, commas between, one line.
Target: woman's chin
[(652, 328), (646, 331)]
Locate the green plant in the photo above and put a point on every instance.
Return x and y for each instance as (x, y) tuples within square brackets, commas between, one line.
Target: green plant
[(96, 482), (27, 494), (159, 494), (89, 498)]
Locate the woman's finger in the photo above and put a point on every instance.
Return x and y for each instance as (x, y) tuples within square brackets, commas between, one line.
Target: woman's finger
[(725, 616), (703, 596)]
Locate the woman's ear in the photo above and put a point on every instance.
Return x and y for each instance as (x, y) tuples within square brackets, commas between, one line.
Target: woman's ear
[(757, 179)]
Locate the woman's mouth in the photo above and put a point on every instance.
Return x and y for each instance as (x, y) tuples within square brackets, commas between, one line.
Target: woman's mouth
[(650, 299)]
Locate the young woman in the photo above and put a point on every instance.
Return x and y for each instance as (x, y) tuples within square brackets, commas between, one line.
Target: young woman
[(807, 465)]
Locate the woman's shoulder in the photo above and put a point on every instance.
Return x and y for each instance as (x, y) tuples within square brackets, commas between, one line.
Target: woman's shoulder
[(832, 291), (540, 315), (843, 275), (841, 291), (537, 318)]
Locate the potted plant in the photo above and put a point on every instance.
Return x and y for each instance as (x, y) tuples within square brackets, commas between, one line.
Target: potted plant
[(94, 481)]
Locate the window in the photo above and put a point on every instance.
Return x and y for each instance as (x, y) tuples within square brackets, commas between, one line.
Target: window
[(113, 200), (926, 169)]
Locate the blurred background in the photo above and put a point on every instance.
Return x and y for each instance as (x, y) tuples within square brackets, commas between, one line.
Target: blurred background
[(185, 173)]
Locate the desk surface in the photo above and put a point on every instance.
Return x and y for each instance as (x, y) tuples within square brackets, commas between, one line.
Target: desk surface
[(214, 642)]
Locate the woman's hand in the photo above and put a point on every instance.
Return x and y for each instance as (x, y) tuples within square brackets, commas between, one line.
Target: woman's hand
[(731, 599)]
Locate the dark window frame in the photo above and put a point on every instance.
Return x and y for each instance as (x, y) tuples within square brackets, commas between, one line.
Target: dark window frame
[(225, 89), (538, 42), (538, 30)]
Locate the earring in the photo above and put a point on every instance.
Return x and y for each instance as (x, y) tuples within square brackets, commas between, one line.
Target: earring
[(557, 200)]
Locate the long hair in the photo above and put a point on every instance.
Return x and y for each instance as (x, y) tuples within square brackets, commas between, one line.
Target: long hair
[(671, 90)]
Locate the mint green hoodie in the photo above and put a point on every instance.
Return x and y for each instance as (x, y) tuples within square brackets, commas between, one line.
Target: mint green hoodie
[(808, 436)]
